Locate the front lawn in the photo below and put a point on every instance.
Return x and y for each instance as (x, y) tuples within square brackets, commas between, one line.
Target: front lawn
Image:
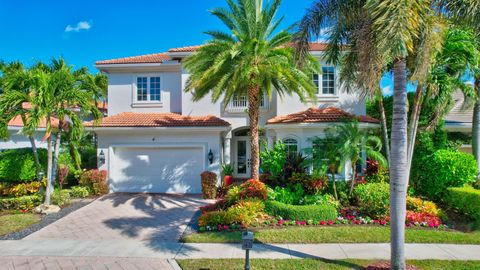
[(16, 221), (297, 264), (338, 234)]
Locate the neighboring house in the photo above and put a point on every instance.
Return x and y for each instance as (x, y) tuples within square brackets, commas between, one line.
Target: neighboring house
[(16, 139), (459, 120), (156, 139)]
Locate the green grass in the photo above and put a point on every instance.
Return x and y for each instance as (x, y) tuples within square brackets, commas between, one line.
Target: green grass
[(338, 234), (297, 264), (12, 222)]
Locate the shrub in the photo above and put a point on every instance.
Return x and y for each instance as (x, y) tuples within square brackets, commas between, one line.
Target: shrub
[(414, 218), (215, 218), (20, 203), (288, 195), (296, 163), (301, 212), (79, 192), (216, 206), (446, 168), (95, 180), (247, 211), (374, 173), (466, 200), (273, 160), (373, 199), (21, 189), (418, 205), (61, 197), (310, 184), (233, 195), (319, 199), (18, 165), (209, 185), (253, 189)]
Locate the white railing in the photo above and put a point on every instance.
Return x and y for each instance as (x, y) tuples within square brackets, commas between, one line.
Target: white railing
[(240, 104)]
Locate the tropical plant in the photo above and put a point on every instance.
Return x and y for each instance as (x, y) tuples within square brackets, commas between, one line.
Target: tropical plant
[(352, 140), (252, 60), (273, 160), (15, 101), (56, 91), (227, 169)]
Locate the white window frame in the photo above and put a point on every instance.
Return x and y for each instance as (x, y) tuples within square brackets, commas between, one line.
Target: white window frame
[(320, 93), (135, 90), (297, 143)]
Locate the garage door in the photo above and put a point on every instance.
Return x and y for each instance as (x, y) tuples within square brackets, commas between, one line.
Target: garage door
[(157, 170)]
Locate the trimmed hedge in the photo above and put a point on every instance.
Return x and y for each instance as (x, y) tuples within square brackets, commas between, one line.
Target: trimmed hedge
[(20, 203), (465, 199), (444, 169), (301, 212), (18, 165)]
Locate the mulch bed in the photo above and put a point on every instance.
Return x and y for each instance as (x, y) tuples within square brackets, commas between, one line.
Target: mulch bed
[(384, 265), (48, 219)]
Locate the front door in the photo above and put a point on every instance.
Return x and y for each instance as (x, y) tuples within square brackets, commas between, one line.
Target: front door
[(242, 157)]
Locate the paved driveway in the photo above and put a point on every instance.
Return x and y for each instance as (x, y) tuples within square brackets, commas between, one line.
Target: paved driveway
[(142, 217)]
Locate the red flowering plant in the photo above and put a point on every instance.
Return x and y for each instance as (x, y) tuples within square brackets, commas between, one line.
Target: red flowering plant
[(218, 205), (422, 219)]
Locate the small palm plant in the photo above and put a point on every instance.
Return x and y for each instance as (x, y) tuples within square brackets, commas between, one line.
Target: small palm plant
[(352, 141)]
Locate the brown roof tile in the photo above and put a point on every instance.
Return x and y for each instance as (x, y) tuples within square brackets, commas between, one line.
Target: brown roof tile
[(129, 119), (319, 115), (17, 122), (185, 49), (141, 59)]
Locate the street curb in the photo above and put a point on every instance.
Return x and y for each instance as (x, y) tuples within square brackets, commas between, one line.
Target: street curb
[(174, 264)]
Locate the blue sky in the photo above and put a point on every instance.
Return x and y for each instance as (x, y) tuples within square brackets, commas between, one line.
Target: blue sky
[(86, 31)]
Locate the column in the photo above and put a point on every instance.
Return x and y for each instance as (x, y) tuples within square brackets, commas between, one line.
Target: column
[(226, 148)]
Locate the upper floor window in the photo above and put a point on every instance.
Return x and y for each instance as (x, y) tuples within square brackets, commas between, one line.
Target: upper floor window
[(148, 89), (326, 83)]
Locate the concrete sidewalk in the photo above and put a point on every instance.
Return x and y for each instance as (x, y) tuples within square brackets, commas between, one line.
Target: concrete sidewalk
[(169, 250)]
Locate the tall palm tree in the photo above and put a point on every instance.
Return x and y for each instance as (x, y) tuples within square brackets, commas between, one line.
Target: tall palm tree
[(351, 142), (15, 101), (57, 91), (253, 59)]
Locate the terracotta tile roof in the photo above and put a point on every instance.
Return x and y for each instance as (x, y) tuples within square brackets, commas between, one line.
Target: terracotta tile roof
[(141, 59), (319, 115), (129, 119), (161, 57), (17, 122), (185, 49)]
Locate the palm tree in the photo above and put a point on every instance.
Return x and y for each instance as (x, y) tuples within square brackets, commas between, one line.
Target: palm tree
[(57, 91), (351, 142), (15, 101), (252, 60)]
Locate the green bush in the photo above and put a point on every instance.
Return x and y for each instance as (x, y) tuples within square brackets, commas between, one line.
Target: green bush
[(287, 195), (20, 203), (301, 212), (79, 192), (61, 197), (233, 195), (273, 160), (466, 200), (446, 168), (244, 213), (18, 165), (373, 199)]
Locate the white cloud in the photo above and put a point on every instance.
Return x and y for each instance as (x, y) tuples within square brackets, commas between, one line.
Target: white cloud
[(84, 25), (387, 90)]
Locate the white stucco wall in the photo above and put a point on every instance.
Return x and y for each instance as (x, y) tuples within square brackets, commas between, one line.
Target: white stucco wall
[(18, 140), (122, 92), (150, 137)]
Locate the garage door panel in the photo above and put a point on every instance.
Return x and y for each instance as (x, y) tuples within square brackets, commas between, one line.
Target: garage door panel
[(171, 170)]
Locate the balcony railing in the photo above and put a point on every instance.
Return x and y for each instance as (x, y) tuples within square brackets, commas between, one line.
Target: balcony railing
[(240, 104)]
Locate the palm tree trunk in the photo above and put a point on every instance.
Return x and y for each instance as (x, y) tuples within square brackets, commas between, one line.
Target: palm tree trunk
[(398, 168), (354, 176), (57, 151), (476, 126), (38, 168), (334, 186), (383, 119), (253, 114), (49, 167), (412, 130)]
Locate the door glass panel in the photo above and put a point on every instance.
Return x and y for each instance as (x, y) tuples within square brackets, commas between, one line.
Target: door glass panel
[(241, 157)]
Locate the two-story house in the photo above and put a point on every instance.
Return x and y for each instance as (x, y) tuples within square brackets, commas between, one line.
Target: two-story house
[(156, 139)]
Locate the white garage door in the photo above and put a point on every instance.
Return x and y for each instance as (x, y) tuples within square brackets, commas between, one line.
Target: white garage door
[(157, 170)]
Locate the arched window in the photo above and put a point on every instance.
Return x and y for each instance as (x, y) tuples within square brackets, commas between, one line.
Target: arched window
[(291, 145)]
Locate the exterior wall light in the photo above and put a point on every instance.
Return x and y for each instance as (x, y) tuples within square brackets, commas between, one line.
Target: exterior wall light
[(101, 157), (210, 156)]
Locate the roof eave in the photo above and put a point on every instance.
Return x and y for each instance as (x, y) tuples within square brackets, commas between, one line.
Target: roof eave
[(363, 125)]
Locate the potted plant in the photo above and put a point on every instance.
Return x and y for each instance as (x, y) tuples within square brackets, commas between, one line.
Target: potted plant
[(227, 174)]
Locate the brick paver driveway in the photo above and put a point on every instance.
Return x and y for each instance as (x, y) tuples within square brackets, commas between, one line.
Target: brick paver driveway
[(142, 217)]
